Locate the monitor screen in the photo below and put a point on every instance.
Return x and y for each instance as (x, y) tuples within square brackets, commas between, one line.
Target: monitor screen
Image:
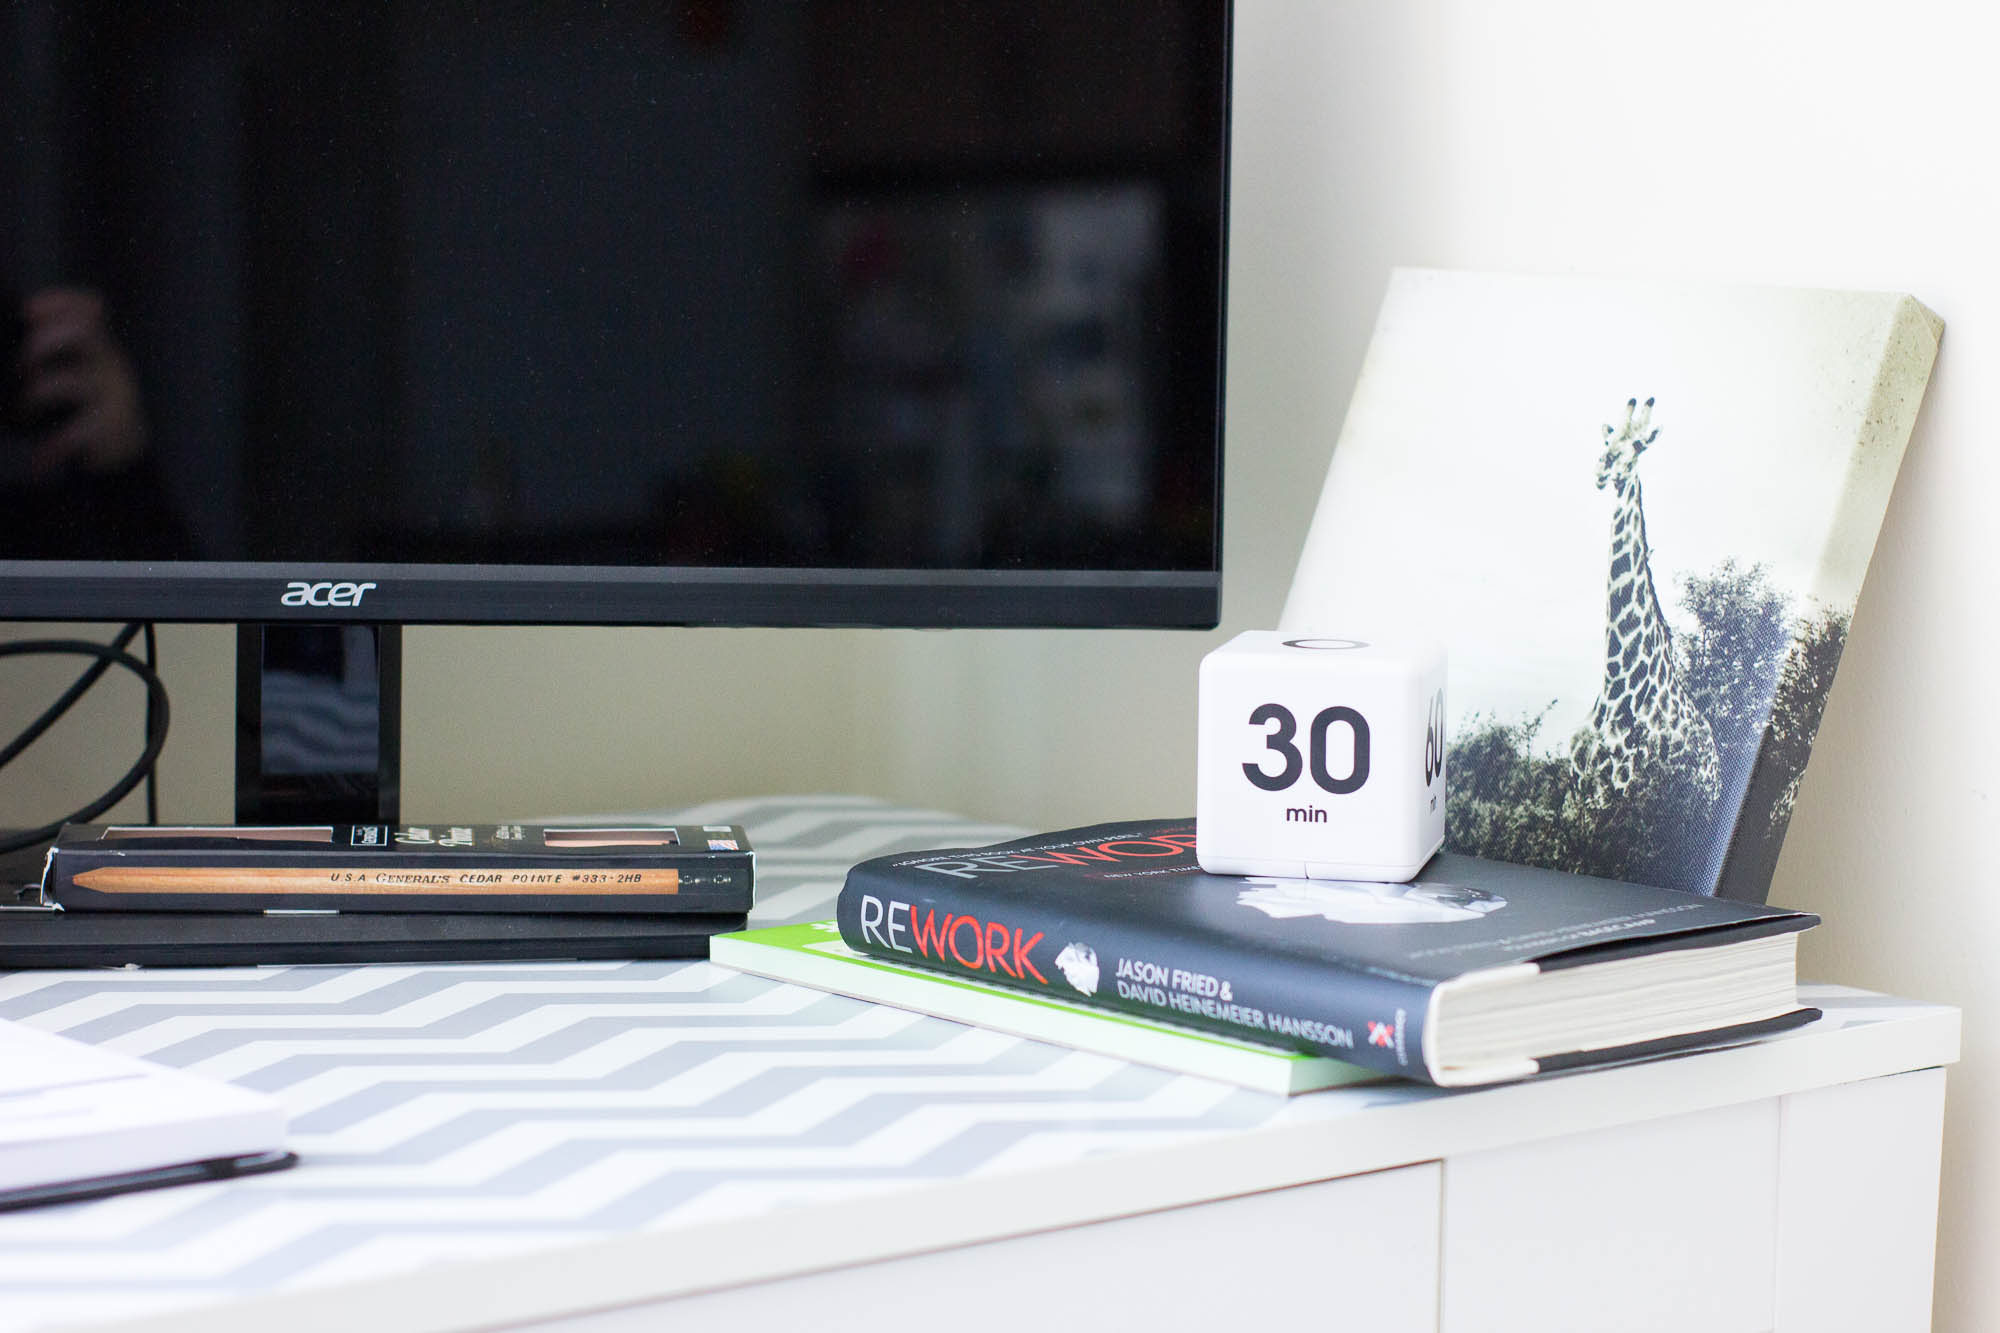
[(634, 311)]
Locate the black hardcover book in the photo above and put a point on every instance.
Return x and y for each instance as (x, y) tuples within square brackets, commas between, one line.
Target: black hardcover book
[(1476, 972)]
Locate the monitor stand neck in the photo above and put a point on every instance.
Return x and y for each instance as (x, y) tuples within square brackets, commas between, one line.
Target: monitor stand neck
[(319, 723)]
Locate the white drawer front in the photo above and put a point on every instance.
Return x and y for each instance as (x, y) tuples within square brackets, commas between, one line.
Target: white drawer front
[(1662, 1225), (1357, 1255), (1858, 1205)]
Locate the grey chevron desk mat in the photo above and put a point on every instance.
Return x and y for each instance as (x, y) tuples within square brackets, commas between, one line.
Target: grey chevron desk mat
[(470, 1111)]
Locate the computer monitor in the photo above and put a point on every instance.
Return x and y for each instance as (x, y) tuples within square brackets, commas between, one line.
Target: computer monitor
[(329, 318)]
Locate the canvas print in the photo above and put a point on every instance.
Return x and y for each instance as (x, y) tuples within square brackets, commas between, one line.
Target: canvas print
[(1639, 514)]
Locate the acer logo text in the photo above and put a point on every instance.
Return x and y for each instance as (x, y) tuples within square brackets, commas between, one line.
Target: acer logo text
[(300, 593)]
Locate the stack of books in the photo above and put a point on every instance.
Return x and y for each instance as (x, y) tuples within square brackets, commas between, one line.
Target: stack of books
[(1113, 939)]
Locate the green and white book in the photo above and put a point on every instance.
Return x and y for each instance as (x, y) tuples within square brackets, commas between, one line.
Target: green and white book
[(813, 955)]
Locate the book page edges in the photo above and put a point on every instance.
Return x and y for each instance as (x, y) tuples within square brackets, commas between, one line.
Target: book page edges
[(1467, 1076)]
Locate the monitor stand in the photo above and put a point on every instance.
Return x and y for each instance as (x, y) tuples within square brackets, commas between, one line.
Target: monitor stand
[(319, 711)]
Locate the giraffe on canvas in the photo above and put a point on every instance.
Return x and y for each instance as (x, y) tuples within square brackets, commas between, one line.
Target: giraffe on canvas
[(1643, 721)]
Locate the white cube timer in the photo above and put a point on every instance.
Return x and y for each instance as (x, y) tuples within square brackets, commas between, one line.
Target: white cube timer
[(1320, 758)]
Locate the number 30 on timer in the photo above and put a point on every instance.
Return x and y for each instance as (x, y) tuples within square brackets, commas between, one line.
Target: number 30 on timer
[(1282, 739)]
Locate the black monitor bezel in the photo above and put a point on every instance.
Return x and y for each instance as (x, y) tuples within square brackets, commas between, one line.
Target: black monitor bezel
[(614, 595), (773, 597)]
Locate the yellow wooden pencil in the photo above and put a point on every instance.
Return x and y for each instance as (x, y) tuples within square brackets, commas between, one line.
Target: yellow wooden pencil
[(521, 869), (369, 880)]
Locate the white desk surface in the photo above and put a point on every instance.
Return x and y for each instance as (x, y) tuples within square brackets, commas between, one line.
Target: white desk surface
[(490, 1144)]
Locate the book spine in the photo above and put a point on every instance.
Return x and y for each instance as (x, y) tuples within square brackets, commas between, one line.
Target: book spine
[(1217, 985)]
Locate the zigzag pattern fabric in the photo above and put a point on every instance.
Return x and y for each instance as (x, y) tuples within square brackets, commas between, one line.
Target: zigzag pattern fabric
[(469, 1111)]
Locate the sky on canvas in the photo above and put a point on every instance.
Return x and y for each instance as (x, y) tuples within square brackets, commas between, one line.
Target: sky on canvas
[(1461, 501)]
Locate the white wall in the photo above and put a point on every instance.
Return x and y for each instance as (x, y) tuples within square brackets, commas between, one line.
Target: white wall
[(1840, 144)]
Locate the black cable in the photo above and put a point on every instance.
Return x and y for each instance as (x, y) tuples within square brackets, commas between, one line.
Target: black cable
[(54, 712), (108, 656)]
